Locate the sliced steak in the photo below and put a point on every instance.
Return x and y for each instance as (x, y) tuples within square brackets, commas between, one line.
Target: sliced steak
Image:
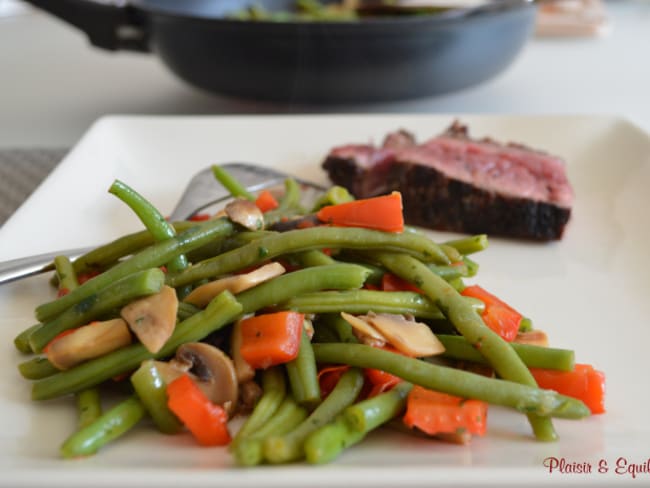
[(455, 183)]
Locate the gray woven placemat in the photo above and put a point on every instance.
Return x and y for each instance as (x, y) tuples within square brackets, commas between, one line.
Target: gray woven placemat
[(21, 171)]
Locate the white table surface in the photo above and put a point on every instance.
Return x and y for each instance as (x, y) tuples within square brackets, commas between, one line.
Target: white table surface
[(53, 84)]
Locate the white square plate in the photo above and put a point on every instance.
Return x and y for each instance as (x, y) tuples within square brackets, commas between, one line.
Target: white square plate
[(589, 292)]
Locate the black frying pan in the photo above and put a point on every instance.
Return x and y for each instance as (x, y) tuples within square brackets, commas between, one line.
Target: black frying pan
[(373, 59)]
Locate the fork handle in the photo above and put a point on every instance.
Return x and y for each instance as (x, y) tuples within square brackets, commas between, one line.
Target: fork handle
[(32, 265)]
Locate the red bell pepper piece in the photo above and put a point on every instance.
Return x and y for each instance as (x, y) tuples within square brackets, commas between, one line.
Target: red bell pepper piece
[(498, 315), (390, 282), (433, 412), (584, 383), (271, 339), (207, 422), (379, 213), (265, 201)]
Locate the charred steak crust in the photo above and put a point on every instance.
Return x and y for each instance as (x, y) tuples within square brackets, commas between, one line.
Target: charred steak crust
[(433, 199)]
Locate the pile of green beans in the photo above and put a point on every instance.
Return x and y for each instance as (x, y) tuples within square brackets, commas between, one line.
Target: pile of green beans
[(332, 270)]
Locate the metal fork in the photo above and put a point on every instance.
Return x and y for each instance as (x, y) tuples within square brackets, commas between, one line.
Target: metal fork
[(202, 191)]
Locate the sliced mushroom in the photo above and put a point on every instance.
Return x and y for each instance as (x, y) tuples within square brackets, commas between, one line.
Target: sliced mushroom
[(532, 337), (245, 213), (408, 336), (203, 294), (153, 318), (87, 342), (214, 372), (364, 331), (243, 370), (405, 334)]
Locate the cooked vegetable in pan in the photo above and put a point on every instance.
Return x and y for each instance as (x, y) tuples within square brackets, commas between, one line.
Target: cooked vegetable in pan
[(343, 11)]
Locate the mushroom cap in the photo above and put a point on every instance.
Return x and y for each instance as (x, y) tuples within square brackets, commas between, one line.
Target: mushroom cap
[(213, 372)]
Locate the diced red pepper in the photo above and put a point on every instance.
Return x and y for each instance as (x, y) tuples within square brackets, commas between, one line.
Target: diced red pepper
[(498, 315), (207, 422), (329, 376), (271, 339), (433, 412), (266, 201), (390, 282), (584, 383), (200, 217), (380, 381), (380, 213), (83, 277)]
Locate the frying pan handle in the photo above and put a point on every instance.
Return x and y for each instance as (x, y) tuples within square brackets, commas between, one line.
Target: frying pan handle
[(108, 26)]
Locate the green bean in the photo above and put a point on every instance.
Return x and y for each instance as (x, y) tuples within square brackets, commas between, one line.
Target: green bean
[(21, 341), (152, 219), (280, 289), (274, 392), (472, 266), (219, 246), (114, 295), (335, 195), (521, 397), (526, 325), (249, 450), (186, 310), (373, 412), (89, 407), (107, 254), (151, 389), (364, 301), (450, 272), (290, 200), (289, 447), (65, 273), (303, 375), (376, 272), (309, 259), (327, 442), (113, 424), (457, 284), (498, 353), (303, 240), (469, 245), (36, 368), (230, 183), (155, 255), (341, 328), (219, 312), (456, 347), (354, 423), (452, 253)]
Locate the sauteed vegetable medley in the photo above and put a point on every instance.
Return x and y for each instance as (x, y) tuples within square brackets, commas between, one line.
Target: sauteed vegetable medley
[(342, 11), (315, 325)]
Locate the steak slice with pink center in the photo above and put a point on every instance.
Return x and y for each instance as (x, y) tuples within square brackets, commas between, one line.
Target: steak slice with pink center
[(455, 183)]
